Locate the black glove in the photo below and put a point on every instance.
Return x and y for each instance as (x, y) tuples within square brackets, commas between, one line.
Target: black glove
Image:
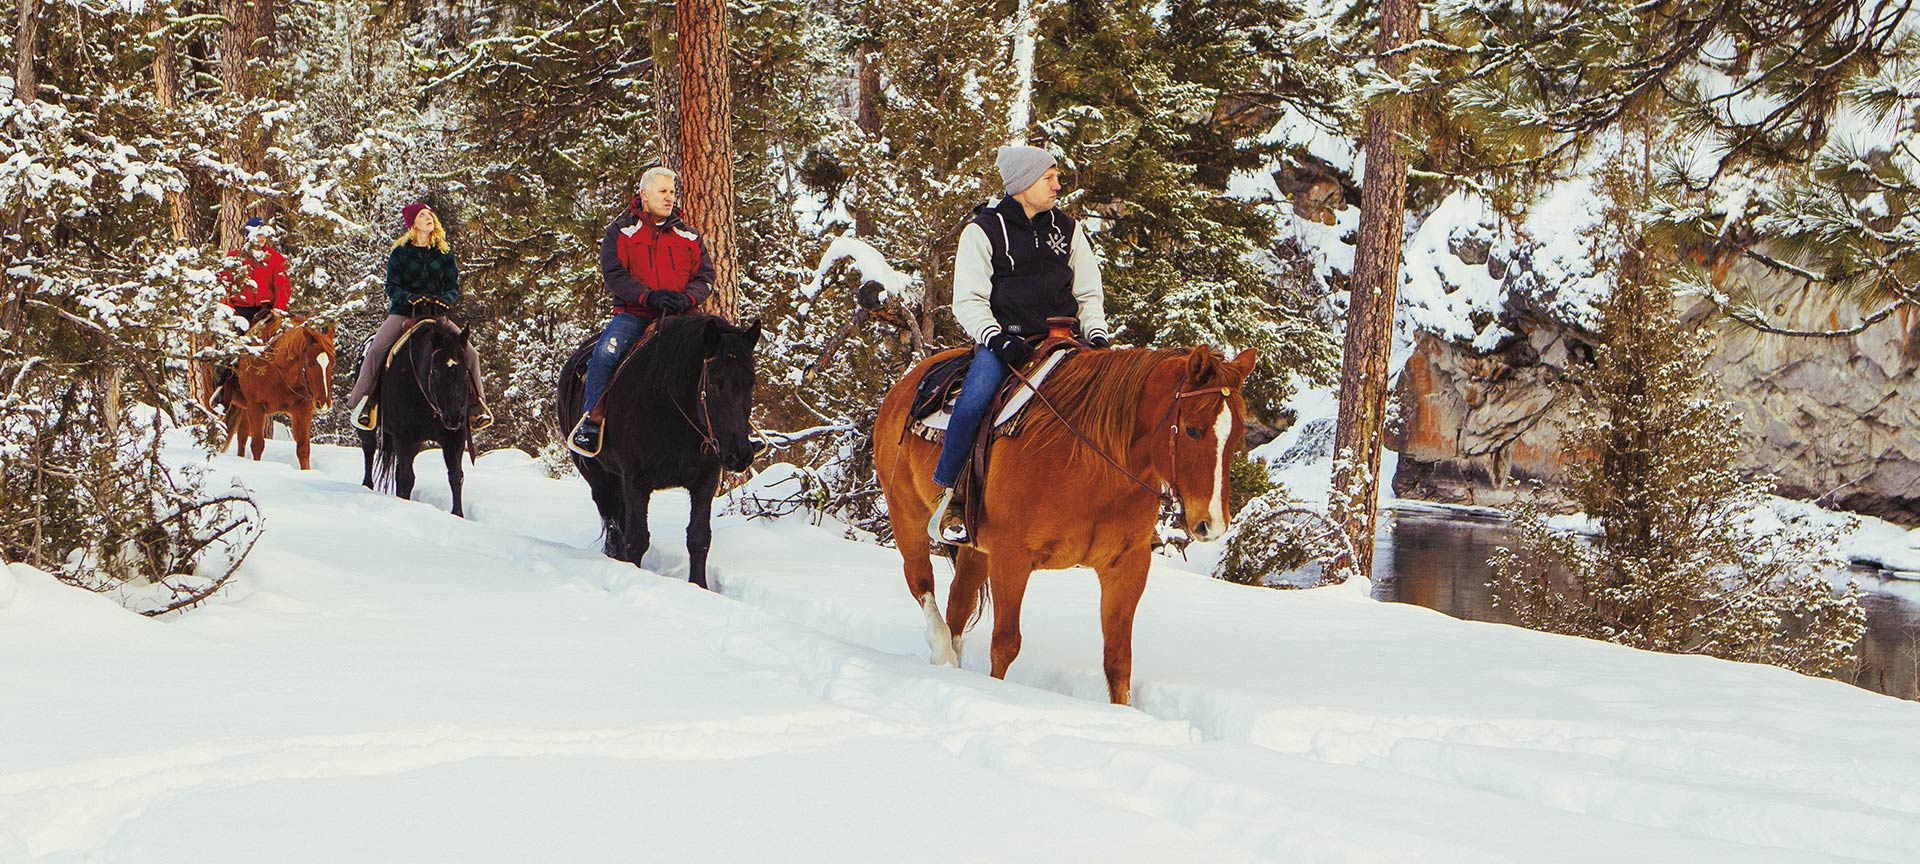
[(1099, 342), (669, 302), (1012, 350)]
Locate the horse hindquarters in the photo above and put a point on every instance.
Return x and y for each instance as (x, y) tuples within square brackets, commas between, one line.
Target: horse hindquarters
[(908, 509)]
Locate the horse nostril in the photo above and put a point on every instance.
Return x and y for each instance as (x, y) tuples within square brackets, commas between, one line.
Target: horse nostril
[(1204, 530)]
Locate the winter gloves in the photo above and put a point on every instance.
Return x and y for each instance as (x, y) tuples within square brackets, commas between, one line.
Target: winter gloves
[(1012, 350), (668, 302)]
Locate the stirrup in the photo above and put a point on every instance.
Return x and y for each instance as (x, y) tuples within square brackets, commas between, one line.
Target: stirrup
[(578, 441), (479, 419), (366, 414), (947, 525)]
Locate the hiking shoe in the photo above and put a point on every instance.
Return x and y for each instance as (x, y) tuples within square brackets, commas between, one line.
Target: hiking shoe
[(947, 525), (365, 415), (585, 439), (479, 418)]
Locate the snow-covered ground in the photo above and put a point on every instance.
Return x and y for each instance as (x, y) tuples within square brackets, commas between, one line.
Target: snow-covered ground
[(384, 682)]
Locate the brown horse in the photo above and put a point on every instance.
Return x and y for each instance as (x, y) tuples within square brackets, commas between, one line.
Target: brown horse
[(293, 376), (1080, 485)]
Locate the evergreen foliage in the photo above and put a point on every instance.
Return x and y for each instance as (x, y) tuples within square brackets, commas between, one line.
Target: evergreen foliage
[(1680, 564)]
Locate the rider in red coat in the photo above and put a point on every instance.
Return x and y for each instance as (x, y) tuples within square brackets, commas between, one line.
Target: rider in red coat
[(654, 265), (264, 286)]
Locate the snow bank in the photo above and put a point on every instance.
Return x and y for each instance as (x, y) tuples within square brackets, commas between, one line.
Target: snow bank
[(385, 682)]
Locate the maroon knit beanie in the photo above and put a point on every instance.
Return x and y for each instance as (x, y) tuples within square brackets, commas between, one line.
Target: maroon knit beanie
[(409, 212)]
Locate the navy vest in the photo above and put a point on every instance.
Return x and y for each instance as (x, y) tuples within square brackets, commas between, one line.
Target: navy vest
[(1032, 279)]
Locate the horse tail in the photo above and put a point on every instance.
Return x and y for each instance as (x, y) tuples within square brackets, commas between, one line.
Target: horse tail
[(386, 463), (981, 598)]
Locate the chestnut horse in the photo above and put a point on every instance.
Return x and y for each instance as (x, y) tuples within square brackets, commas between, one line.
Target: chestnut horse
[(293, 376), (1079, 486)]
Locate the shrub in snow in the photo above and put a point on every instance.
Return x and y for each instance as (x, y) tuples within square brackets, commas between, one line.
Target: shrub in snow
[(1680, 563)]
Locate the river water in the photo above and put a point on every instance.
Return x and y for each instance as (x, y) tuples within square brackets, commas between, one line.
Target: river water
[(1440, 562)]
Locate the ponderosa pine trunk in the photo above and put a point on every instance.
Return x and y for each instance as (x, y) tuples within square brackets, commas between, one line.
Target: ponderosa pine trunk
[(246, 47), (666, 89), (706, 148), (1376, 279)]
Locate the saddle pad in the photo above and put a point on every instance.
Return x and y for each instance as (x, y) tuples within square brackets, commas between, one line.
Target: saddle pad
[(402, 341), (1021, 395)]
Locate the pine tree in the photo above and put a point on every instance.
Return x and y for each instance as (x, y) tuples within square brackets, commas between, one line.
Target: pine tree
[(1679, 565)]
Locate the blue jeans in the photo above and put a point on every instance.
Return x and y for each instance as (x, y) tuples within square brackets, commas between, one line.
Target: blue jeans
[(976, 394), (619, 335)]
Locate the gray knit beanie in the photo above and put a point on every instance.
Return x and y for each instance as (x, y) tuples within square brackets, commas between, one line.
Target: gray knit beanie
[(1020, 165)]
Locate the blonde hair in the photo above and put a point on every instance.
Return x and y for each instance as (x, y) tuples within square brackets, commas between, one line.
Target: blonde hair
[(438, 239)]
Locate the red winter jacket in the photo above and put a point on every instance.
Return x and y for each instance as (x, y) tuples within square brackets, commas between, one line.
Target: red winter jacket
[(269, 278), (639, 255)]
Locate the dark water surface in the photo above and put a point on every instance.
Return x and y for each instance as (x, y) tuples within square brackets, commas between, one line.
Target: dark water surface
[(1440, 562)]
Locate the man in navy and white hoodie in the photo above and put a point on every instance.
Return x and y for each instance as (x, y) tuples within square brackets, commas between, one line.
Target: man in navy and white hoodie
[(1020, 262)]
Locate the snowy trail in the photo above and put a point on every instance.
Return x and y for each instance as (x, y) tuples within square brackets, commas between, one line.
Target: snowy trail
[(389, 683)]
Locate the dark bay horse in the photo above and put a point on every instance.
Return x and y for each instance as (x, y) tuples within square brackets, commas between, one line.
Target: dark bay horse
[(423, 396), (293, 376), (677, 413), (1080, 485)]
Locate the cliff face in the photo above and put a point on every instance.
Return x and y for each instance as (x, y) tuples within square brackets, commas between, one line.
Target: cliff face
[(1834, 419)]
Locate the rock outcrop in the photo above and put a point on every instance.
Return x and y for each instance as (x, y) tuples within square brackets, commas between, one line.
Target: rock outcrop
[(1836, 419)]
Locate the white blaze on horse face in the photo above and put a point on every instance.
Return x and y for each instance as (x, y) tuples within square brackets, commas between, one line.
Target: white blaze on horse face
[(323, 360), (1217, 505)]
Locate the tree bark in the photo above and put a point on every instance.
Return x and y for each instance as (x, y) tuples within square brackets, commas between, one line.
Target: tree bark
[(26, 78), (1376, 279), (666, 88), (188, 229), (866, 116), (26, 88), (706, 118), (246, 47)]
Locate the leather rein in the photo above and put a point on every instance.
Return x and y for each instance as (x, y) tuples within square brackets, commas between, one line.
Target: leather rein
[(1173, 434)]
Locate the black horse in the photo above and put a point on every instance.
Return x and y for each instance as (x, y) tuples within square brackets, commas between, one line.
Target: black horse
[(676, 415), (423, 396)]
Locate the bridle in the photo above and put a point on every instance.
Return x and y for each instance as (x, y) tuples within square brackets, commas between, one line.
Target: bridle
[(1173, 434), (304, 389), (708, 443), (426, 391)]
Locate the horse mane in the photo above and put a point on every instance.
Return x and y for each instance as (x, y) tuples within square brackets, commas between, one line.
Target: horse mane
[(662, 364), (1101, 393)]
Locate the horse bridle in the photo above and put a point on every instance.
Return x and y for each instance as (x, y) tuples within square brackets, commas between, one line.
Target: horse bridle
[(426, 392), (1173, 435), (305, 391), (708, 443)]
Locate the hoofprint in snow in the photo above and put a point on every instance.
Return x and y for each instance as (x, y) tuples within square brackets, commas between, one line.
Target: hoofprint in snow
[(384, 682)]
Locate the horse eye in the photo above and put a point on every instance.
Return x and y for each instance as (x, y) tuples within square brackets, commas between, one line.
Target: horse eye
[(1193, 432)]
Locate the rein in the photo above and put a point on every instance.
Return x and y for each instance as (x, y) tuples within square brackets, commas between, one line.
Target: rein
[(305, 391), (426, 392), (708, 444), (1173, 433)]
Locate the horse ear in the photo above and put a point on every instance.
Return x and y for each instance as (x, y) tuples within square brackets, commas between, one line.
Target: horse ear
[(711, 338), (753, 334), (1244, 362), (331, 327)]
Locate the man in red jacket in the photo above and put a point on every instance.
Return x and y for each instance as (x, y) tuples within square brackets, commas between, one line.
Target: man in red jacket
[(264, 286), (256, 292), (654, 265)]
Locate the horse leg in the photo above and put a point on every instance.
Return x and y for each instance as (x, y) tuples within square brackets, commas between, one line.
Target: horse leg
[(403, 469), (236, 431), (606, 499), (367, 447), (700, 524), (1007, 572), (633, 528), (456, 473), (964, 596), (1121, 584), (258, 420), (303, 435)]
